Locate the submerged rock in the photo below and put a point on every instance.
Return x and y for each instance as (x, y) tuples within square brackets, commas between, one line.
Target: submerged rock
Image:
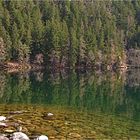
[(18, 112), (50, 114), (75, 135), (9, 131), (3, 124), (3, 138), (42, 137), (2, 118), (19, 136)]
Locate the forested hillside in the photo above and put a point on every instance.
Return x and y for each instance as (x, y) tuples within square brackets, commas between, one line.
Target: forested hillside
[(68, 33)]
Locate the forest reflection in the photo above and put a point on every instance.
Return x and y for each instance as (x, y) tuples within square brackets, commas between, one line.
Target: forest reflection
[(110, 92)]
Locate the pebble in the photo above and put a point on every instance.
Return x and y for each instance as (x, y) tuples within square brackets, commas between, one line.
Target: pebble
[(3, 124), (19, 136), (9, 131), (18, 112), (42, 137), (50, 114), (3, 138), (2, 118), (75, 135)]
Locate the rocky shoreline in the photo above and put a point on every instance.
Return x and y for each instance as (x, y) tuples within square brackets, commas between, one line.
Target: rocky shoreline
[(12, 67), (13, 130)]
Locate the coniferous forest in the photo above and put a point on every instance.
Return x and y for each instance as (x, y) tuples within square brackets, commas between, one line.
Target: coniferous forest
[(64, 33), (69, 69)]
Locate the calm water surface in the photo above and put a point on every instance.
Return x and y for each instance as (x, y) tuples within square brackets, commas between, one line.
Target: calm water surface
[(91, 105)]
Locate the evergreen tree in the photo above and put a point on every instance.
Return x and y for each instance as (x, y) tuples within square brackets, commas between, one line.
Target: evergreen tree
[(69, 31)]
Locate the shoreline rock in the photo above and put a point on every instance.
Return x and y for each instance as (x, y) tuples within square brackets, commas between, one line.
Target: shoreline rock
[(19, 136), (3, 138)]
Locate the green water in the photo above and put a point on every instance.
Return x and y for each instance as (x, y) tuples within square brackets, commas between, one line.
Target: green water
[(91, 105)]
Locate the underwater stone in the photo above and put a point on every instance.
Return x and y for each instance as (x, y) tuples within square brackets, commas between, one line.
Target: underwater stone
[(19, 136), (9, 131), (50, 114), (75, 135), (18, 112), (3, 124), (2, 118), (3, 138), (42, 137)]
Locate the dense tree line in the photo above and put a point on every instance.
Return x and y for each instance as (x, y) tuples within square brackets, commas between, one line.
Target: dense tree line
[(69, 33)]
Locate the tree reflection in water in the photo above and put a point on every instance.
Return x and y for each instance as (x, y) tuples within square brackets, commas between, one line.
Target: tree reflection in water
[(109, 92)]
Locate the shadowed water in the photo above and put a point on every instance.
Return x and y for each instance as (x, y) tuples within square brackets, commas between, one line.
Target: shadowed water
[(85, 105)]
